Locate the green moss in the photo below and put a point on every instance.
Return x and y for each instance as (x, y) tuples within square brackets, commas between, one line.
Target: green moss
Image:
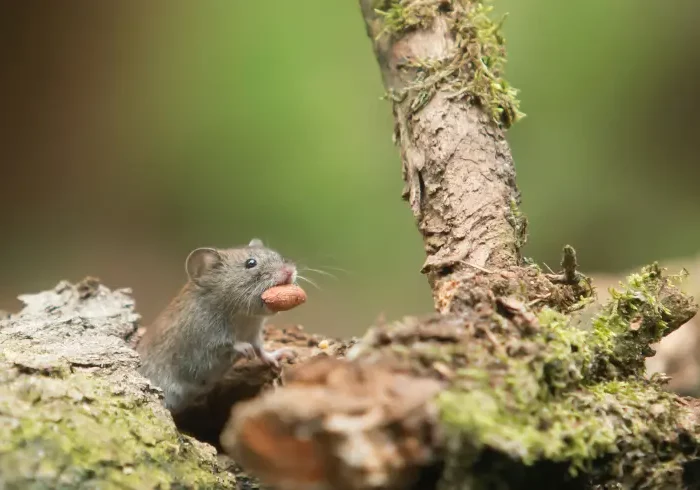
[(473, 71), (76, 433), (560, 431), (569, 355), (544, 399), (519, 222), (576, 398), (399, 16), (571, 429), (638, 315), (526, 423)]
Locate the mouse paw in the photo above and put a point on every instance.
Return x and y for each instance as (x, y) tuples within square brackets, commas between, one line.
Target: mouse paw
[(273, 358), (245, 349)]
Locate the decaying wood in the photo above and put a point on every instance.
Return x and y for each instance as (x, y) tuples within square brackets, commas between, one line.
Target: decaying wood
[(338, 425), (74, 412)]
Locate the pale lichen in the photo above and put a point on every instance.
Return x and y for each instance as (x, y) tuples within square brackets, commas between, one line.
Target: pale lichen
[(74, 413), (74, 432)]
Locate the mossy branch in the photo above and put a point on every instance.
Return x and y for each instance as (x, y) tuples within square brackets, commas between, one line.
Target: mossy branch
[(472, 69), (645, 309), (442, 63), (505, 395)]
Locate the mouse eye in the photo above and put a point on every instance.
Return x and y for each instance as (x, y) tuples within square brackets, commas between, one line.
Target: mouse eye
[(250, 263)]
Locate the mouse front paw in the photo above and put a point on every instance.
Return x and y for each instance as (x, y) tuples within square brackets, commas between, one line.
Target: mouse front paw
[(273, 358), (245, 349)]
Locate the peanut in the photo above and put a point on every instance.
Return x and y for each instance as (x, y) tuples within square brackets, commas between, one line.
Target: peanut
[(283, 298)]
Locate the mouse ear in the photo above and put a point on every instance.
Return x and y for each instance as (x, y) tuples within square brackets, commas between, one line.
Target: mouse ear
[(200, 261), (256, 242)]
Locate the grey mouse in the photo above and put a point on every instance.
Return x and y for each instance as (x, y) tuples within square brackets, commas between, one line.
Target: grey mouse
[(216, 318)]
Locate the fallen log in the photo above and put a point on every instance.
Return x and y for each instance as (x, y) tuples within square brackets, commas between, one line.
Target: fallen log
[(74, 413)]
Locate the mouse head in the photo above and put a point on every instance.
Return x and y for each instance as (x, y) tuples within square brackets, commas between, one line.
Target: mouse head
[(235, 278)]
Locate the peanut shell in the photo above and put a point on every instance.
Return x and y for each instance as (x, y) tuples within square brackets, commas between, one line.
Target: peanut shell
[(284, 297)]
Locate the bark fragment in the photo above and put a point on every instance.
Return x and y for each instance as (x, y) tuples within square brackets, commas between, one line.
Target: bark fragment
[(338, 425)]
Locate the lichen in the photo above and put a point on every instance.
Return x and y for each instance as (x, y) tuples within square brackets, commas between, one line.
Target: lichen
[(78, 433), (473, 70)]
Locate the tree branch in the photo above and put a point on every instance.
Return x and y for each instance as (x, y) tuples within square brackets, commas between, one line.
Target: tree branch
[(449, 109)]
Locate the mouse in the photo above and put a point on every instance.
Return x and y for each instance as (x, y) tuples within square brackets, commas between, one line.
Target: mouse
[(215, 320)]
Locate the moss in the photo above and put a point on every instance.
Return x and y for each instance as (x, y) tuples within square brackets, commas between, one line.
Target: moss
[(576, 398), (532, 419), (572, 430), (472, 71), (524, 414), (519, 222), (76, 433), (405, 15), (541, 397), (639, 314), (562, 398)]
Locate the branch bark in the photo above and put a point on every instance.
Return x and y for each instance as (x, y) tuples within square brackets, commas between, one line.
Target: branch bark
[(457, 166)]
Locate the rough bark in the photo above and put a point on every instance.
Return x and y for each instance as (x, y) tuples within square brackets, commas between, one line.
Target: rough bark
[(527, 397), (457, 167)]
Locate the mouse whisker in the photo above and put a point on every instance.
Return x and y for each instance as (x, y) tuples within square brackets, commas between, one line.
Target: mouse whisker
[(250, 293), (338, 269), (320, 272), (246, 303), (299, 276)]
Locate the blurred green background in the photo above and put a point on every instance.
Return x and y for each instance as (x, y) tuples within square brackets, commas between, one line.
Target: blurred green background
[(132, 132)]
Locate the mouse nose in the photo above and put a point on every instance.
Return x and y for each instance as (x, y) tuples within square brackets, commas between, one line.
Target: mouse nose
[(287, 275)]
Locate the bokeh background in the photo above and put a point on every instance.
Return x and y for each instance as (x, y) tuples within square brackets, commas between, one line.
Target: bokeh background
[(132, 132)]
